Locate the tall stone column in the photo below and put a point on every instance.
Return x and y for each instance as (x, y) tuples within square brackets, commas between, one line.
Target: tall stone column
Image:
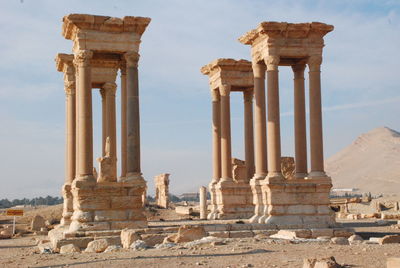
[(111, 129), (216, 151), (85, 127), (316, 142), (76, 122), (70, 132), (203, 202), (133, 119), (260, 140), (226, 153), (123, 120), (103, 121), (300, 138), (273, 126), (248, 133)]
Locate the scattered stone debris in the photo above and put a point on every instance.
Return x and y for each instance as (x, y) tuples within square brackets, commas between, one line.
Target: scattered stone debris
[(97, 246), (138, 245), (339, 241), (70, 248), (113, 248), (128, 236), (389, 239), (329, 262), (187, 233), (165, 245), (37, 223), (355, 239)]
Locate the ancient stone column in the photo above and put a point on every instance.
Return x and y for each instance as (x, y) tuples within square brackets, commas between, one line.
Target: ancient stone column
[(111, 129), (226, 154), (103, 121), (260, 121), (133, 119), (259, 139), (203, 203), (123, 120), (273, 125), (300, 138), (85, 127), (316, 143), (248, 133), (216, 150), (70, 132), (76, 122)]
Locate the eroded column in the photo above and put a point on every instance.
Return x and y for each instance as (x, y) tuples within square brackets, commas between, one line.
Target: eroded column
[(133, 119), (248, 133), (123, 120), (273, 125), (226, 154), (300, 138), (85, 127), (316, 139)]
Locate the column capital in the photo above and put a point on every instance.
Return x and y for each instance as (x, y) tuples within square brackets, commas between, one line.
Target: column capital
[(248, 95), (122, 66), (314, 63), (109, 88), (215, 95), (298, 71), (259, 70), (69, 87), (272, 62), (83, 57), (131, 58), (224, 89)]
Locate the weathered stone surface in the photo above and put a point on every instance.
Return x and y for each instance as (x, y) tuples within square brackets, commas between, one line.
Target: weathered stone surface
[(389, 239), (153, 239), (37, 223), (113, 248), (288, 167), (240, 234), (187, 233), (321, 263), (342, 233), (128, 236), (184, 210), (70, 248), (292, 234), (138, 245), (97, 246), (354, 239), (162, 190), (322, 232)]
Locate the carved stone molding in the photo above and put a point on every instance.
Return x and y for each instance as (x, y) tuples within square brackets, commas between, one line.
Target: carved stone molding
[(109, 88), (314, 63), (248, 96), (82, 58), (225, 90), (272, 62), (131, 59), (69, 87)]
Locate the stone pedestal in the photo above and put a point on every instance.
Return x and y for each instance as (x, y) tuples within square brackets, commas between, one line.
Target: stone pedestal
[(68, 209), (107, 206), (298, 203)]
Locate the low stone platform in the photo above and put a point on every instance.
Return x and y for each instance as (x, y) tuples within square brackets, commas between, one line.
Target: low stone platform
[(217, 228)]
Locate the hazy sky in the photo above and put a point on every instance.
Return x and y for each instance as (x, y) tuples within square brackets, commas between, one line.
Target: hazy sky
[(360, 81)]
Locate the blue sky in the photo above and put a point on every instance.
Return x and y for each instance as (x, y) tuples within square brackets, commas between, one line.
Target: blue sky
[(360, 80)]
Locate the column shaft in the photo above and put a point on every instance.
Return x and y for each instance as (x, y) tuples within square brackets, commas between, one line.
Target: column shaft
[(133, 119), (111, 129), (226, 154), (300, 138), (85, 128), (103, 121), (273, 126), (316, 140), (70, 132), (260, 121), (76, 123), (216, 135), (123, 121), (248, 133)]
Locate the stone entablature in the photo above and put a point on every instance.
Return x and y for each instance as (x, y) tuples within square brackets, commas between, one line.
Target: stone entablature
[(289, 41), (103, 33)]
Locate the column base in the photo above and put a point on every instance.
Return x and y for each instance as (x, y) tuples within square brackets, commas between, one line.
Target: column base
[(134, 177), (317, 174), (234, 199), (255, 185), (214, 207), (298, 203), (68, 209)]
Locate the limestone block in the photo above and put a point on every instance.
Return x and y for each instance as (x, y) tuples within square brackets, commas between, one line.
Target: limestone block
[(37, 223), (342, 233), (292, 234), (80, 242), (112, 240), (321, 263), (301, 209), (221, 234), (285, 221), (321, 232), (88, 226), (91, 203), (297, 198), (354, 239), (240, 234), (300, 188), (97, 246), (184, 210), (83, 216), (126, 202), (128, 236), (136, 215), (128, 224), (389, 239), (339, 241), (324, 210), (187, 233), (153, 239), (393, 263), (110, 215), (70, 248), (277, 210), (240, 227)]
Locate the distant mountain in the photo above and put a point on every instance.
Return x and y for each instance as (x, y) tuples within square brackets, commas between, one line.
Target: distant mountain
[(371, 163)]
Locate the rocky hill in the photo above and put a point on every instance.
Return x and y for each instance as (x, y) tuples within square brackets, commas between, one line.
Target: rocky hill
[(371, 163)]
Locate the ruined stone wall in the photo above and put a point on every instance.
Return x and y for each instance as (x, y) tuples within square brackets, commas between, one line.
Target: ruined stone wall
[(162, 190)]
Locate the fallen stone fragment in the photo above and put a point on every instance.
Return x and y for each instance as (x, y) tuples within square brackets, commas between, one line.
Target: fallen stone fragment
[(355, 239), (339, 241), (321, 263), (187, 233), (292, 234), (128, 236), (202, 241), (37, 223), (113, 248), (97, 246), (389, 239), (138, 245), (70, 248), (165, 245), (153, 239), (382, 222)]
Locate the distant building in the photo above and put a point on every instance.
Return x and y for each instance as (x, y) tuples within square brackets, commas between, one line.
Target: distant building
[(189, 196)]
